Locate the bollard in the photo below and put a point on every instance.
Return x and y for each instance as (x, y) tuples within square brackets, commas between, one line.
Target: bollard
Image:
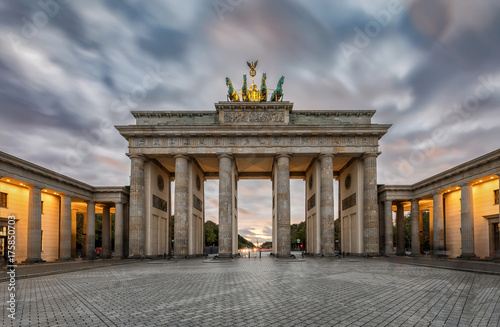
[(260, 254)]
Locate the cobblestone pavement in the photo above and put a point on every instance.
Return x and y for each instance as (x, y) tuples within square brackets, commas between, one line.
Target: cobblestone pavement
[(258, 292), (41, 269)]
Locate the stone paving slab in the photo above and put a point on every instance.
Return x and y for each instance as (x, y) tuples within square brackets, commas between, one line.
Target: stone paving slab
[(479, 266), (258, 292), (49, 268)]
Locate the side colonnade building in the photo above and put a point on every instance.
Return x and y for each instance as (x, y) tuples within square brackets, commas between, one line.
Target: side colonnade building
[(45, 206), (462, 206)]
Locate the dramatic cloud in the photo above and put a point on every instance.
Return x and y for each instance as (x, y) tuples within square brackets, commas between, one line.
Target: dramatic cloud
[(70, 70)]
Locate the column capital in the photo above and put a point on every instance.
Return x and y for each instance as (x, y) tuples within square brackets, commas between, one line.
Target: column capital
[(225, 155), (35, 186), (325, 155), (468, 183), (181, 155), (414, 200), (370, 154), (282, 154), (439, 192), (89, 202), (136, 156)]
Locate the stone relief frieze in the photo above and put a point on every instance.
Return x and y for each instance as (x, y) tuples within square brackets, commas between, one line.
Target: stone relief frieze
[(253, 117), (256, 141)]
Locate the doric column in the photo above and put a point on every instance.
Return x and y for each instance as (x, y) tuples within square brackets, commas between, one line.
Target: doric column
[(65, 229), (467, 220), (34, 225), (415, 228), (370, 205), (118, 253), (389, 238), (106, 232), (283, 205), (90, 230), (225, 205), (327, 218), (137, 207), (73, 233), (438, 224), (181, 220), (400, 229)]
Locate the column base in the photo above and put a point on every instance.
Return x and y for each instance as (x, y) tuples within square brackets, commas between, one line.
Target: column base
[(467, 256), (90, 257), (33, 260), (136, 256), (225, 256), (66, 259)]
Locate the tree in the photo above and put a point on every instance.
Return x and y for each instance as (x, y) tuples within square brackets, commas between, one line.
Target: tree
[(338, 234), (267, 245), (98, 230), (407, 232), (211, 233), (298, 232), (243, 243), (426, 241)]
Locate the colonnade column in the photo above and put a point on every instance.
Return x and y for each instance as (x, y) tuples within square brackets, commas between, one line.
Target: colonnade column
[(467, 221), (415, 228), (326, 209), (73, 233), (118, 252), (106, 232), (370, 205), (181, 206), (90, 230), (283, 205), (34, 225), (137, 207), (225, 206), (438, 224), (389, 238), (400, 229), (65, 229)]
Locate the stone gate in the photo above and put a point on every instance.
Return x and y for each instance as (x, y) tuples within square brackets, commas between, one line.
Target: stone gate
[(253, 140)]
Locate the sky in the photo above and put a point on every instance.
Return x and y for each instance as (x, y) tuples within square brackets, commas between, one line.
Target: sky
[(70, 70)]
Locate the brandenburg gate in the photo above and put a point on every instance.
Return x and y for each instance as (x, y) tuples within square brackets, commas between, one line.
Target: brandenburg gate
[(253, 140)]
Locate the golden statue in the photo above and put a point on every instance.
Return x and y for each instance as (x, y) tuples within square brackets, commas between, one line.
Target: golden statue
[(232, 95), (245, 94), (252, 66), (253, 93), (263, 89)]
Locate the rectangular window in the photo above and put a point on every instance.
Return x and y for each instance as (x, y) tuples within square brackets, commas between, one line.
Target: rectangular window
[(3, 200), (496, 196), (42, 207)]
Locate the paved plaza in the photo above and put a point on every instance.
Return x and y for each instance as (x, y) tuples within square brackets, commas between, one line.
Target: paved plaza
[(258, 292)]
